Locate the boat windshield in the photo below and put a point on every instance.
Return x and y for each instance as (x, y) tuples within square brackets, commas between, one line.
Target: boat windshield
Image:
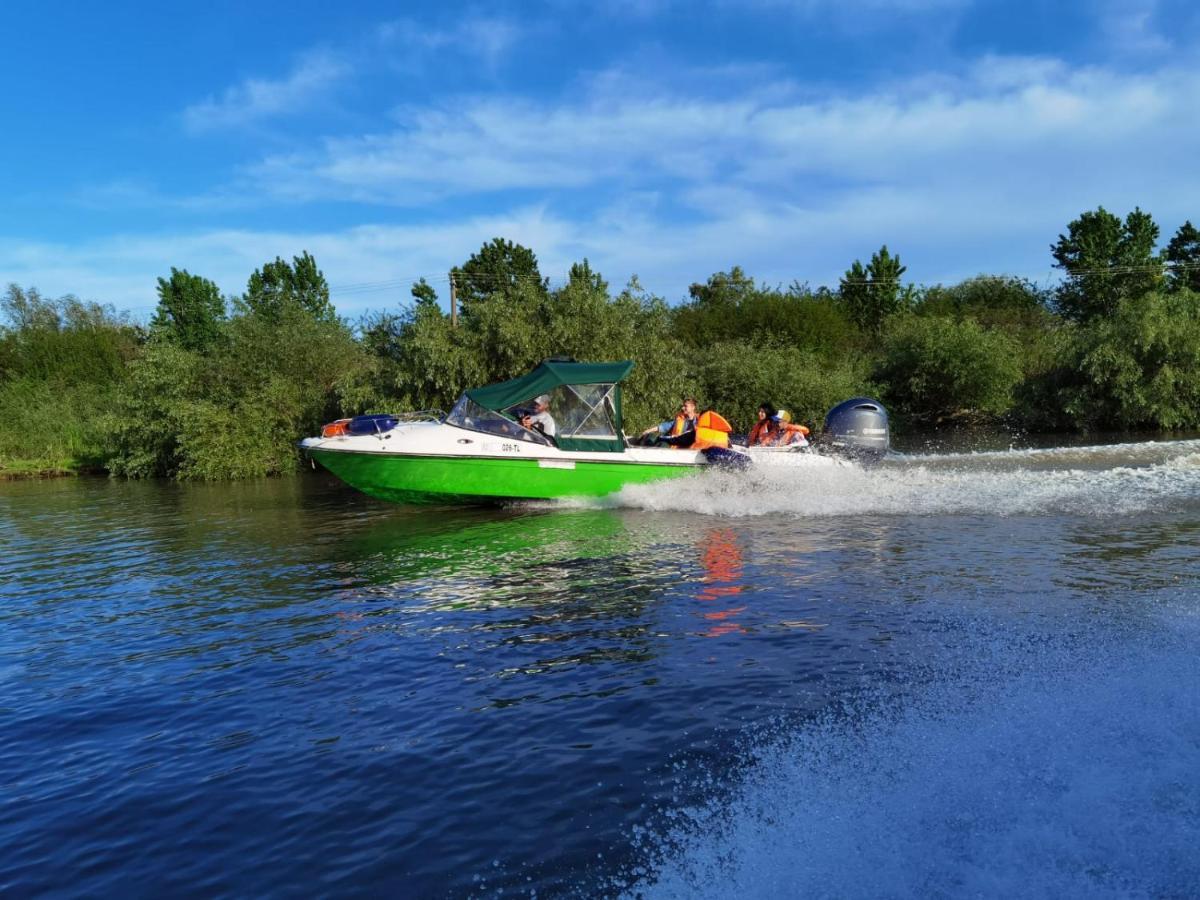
[(584, 414), (469, 414)]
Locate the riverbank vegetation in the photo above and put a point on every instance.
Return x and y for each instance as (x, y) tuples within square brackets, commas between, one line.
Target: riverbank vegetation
[(218, 387)]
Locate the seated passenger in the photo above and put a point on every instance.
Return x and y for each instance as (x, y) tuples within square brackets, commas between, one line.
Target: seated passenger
[(541, 418), (674, 431), (785, 433), (764, 427)]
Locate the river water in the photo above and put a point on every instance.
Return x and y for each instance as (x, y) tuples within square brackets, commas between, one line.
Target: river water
[(957, 674)]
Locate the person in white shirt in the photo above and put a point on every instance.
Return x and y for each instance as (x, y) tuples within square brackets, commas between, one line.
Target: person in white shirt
[(541, 417)]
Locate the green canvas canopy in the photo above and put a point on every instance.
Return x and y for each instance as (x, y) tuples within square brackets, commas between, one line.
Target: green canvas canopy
[(552, 375)]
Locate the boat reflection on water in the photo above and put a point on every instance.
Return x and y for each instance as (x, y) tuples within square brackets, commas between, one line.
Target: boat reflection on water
[(556, 590), (721, 556), (501, 547)]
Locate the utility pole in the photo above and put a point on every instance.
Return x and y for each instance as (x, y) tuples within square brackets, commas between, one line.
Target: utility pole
[(453, 303)]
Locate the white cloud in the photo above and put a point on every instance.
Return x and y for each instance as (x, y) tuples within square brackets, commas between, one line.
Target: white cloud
[(257, 98), (1128, 26), (961, 175), (1002, 116), (494, 145), (402, 43), (141, 194), (123, 269), (944, 230), (487, 39)]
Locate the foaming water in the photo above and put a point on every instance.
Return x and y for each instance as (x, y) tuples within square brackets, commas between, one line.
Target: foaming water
[(1088, 481), (1027, 764), (1083, 455)]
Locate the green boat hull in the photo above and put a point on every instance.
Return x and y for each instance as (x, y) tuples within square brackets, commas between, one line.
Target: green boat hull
[(468, 479)]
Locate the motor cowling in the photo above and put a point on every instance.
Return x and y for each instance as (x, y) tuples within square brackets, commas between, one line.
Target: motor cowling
[(857, 428)]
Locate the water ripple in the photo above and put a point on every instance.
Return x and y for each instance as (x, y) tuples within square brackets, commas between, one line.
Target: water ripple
[(210, 689)]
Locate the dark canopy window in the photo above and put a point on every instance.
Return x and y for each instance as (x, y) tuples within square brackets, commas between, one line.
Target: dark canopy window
[(469, 414)]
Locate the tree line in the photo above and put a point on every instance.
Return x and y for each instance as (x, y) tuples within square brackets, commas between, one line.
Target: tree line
[(221, 387)]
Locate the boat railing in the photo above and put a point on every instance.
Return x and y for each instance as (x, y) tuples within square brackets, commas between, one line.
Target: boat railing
[(421, 415)]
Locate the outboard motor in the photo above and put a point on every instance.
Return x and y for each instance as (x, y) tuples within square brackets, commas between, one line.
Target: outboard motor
[(857, 429)]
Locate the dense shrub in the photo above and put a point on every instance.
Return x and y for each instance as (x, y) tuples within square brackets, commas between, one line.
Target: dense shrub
[(989, 300), (252, 437), (53, 427), (60, 364), (936, 369), (151, 408), (1140, 368), (729, 306), (738, 376), (238, 410), (66, 341)]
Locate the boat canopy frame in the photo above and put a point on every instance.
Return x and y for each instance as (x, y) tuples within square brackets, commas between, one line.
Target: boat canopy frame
[(552, 375)]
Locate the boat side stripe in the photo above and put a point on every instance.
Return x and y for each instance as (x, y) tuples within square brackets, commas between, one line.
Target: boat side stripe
[(533, 459)]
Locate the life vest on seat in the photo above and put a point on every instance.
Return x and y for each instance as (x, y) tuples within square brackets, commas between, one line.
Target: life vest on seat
[(711, 431)]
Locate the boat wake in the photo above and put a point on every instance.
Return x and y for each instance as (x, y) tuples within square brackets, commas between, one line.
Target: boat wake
[(1030, 764), (1089, 481)]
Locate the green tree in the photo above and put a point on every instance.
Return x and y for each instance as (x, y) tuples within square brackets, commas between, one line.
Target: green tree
[(423, 293), (724, 289), (500, 267), (190, 310), (278, 285), (1183, 256), (581, 275), (434, 362), (873, 292), (27, 310), (1106, 261), (717, 309)]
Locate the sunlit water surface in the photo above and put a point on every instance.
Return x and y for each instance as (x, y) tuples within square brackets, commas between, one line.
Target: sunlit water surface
[(969, 674)]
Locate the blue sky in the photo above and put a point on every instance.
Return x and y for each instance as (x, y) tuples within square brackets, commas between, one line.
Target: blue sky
[(660, 138)]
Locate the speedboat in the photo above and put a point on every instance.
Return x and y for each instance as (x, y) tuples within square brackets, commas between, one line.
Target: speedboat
[(481, 452)]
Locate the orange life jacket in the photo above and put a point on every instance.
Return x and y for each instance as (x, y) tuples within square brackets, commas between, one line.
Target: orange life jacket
[(785, 434), (711, 431), (760, 433), (682, 424)]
